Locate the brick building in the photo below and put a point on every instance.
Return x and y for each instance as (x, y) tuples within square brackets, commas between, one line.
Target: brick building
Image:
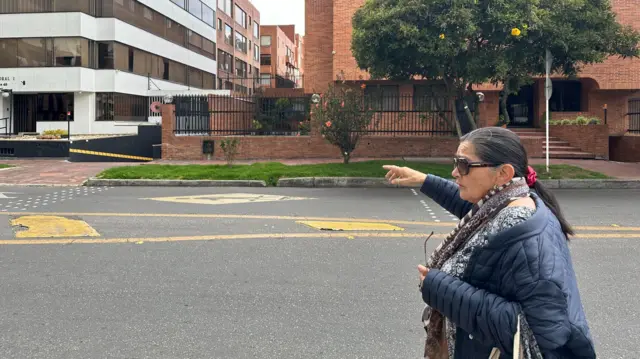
[(238, 46), (612, 83), (279, 57)]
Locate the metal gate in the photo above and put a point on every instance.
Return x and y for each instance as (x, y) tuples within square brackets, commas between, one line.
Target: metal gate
[(634, 115)]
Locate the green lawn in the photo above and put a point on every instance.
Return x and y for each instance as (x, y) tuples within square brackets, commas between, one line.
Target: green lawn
[(272, 171), (4, 166)]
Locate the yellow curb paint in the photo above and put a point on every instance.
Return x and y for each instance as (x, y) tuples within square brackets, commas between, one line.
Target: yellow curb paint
[(351, 226), (345, 235), (107, 154), (227, 198), (52, 227)]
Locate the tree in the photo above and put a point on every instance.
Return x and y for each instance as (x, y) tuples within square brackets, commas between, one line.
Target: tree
[(469, 42), (342, 117)]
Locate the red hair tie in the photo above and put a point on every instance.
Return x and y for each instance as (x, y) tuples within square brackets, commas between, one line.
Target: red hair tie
[(532, 176)]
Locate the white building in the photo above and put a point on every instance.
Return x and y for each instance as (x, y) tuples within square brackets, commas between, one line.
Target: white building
[(101, 60)]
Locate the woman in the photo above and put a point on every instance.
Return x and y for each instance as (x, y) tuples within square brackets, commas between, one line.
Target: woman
[(506, 267)]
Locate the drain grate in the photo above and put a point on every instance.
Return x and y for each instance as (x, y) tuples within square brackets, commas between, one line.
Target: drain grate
[(7, 151)]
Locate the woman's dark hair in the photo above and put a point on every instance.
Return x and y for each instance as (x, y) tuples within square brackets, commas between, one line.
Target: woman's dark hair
[(500, 146)]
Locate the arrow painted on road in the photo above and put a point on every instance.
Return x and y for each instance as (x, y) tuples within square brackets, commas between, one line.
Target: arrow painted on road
[(3, 195), (227, 198)]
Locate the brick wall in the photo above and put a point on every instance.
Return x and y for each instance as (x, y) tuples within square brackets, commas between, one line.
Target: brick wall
[(318, 45), (624, 148), (590, 138)]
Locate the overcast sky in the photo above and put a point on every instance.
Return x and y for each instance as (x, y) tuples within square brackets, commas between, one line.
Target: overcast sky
[(281, 12)]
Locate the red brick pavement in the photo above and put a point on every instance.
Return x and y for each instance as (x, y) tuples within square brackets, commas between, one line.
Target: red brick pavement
[(61, 172), (51, 172)]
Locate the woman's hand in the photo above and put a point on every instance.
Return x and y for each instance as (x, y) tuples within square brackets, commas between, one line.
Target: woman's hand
[(404, 176), (423, 272)]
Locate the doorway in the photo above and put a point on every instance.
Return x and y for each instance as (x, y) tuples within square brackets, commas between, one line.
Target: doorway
[(520, 107), (45, 107)]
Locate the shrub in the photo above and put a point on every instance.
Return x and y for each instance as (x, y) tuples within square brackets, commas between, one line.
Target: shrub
[(230, 149), (342, 117)]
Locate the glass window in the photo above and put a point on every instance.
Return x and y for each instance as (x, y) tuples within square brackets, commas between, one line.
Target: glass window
[(241, 17), (209, 47), (8, 53), (220, 24), (225, 5), (208, 15), (265, 40), (228, 34), (195, 8), (22, 6), (241, 68), (382, 98), (566, 96), (71, 52), (179, 3), (52, 107), (112, 106), (265, 59), (175, 32), (195, 78), (70, 5), (106, 58), (256, 30), (241, 42), (32, 52), (121, 53), (256, 52)]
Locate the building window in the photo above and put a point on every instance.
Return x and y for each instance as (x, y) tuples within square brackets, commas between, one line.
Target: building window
[(241, 68), (256, 30), (265, 40), (105, 55), (225, 61), (566, 96), (265, 79), (195, 8), (241, 17), (208, 16), (382, 98), (71, 52), (256, 52), (241, 42), (53, 107), (32, 53), (111, 106), (265, 59), (225, 6), (228, 34), (430, 98), (219, 24), (180, 3)]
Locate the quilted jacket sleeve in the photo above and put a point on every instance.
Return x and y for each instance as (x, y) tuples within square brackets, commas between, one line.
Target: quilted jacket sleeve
[(446, 194), (492, 319)]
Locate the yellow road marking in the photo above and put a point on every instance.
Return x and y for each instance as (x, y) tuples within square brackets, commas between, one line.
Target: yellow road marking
[(351, 226), (108, 154), (349, 235), (227, 198), (51, 227), (236, 216), (317, 235)]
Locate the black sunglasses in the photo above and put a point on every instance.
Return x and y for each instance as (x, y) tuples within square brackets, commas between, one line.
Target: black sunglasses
[(464, 165)]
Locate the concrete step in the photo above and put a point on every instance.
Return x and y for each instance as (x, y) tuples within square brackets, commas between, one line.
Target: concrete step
[(570, 155)]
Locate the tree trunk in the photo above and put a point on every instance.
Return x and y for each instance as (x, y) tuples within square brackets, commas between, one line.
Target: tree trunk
[(346, 157), (469, 115), (503, 102)]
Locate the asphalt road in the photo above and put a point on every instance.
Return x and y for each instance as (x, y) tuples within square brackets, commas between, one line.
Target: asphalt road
[(255, 282)]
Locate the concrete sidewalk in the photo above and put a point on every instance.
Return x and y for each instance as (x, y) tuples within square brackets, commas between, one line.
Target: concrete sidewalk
[(56, 172)]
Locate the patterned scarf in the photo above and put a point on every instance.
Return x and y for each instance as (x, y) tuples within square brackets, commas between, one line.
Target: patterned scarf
[(483, 211)]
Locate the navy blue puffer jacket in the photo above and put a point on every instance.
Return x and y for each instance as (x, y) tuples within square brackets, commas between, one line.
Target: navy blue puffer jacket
[(527, 266)]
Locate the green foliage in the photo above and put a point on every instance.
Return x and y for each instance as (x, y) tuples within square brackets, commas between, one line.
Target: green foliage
[(342, 118), (470, 42), (229, 147)]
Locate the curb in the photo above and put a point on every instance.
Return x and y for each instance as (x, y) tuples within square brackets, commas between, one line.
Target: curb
[(341, 182), (96, 182)]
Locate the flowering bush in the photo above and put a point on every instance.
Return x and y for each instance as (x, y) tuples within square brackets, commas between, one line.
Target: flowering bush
[(342, 118)]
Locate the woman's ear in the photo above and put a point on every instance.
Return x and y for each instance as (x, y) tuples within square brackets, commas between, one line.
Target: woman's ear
[(506, 173)]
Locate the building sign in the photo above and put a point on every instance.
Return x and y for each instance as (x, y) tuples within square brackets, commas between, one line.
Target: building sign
[(10, 82)]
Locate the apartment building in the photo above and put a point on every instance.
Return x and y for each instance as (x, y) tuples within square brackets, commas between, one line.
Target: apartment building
[(611, 84), (238, 46), (99, 60), (280, 58)]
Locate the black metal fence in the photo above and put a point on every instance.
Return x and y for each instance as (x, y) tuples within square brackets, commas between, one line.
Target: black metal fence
[(634, 115), (256, 115)]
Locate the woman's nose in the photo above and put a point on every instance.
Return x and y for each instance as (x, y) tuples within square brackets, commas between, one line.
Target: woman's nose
[(455, 172)]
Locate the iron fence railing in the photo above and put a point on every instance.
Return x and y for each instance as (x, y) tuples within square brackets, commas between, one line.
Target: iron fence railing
[(634, 116)]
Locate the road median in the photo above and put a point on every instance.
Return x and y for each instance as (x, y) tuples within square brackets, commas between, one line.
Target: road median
[(343, 182)]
